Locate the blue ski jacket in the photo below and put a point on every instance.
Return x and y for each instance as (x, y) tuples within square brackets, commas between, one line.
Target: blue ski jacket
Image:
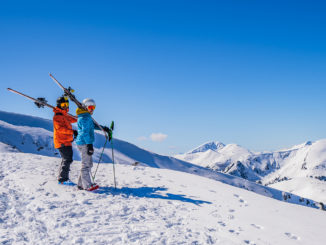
[(85, 128)]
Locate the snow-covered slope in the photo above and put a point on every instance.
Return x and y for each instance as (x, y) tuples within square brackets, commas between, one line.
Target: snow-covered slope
[(7, 148), (303, 172), (34, 135), (300, 169), (27, 138), (149, 206)]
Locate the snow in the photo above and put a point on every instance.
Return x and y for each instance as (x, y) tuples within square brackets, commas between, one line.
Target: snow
[(213, 145), (6, 148), (27, 139), (33, 138), (149, 206), (305, 187), (300, 169), (215, 155), (163, 200), (25, 120)]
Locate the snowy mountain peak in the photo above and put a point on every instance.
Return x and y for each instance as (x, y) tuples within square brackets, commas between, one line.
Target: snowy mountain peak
[(212, 145), (300, 169)]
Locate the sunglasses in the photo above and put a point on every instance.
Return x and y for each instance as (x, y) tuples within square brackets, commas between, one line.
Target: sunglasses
[(64, 104), (91, 107)]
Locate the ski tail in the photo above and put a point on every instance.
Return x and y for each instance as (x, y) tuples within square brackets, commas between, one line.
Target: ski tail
[(39, 102)]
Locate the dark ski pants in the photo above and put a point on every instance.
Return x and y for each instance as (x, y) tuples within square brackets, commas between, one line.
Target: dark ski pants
[(66, 155)]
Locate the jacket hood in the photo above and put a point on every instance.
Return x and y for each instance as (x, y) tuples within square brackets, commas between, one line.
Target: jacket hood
[(81, 111)]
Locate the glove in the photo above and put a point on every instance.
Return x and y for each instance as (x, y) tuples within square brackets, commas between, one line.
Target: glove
[(109, 132), (90, 149), (75, 133)]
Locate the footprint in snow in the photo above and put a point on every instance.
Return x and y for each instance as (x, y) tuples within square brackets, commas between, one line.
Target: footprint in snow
[(249, 242), (241, 200), (43, 183), (87, 202), (291, 236), (257, 226), (215, 213), (234, 232), (230, 216), (221, 223), (52, 206)]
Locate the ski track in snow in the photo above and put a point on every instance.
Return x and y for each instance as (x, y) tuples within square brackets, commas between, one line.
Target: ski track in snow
[(149, 206)]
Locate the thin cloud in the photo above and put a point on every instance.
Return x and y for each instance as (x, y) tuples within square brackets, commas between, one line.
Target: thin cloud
[(142, 138), (158, 137)]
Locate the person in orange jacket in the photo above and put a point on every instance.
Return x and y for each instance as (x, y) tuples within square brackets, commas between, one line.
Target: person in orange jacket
[(63, 136)]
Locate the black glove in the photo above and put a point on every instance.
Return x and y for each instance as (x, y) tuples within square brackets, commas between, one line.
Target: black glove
[(75, 133), (90, 149), (109, 132)]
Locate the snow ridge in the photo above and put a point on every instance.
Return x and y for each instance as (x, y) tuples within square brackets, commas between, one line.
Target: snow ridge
[(213, 145), (38, 140)]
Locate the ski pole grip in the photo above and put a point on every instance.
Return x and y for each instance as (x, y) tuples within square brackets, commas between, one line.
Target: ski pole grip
[(112, 125)]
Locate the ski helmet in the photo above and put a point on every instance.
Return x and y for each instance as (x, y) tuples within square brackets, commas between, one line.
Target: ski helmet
[(89, 102), (61, 100)]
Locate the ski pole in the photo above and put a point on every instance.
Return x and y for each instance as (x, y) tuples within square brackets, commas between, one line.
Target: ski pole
[(106, 140), (115, 184)]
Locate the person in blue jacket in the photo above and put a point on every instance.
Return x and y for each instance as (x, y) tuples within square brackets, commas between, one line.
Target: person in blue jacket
[(84, 142)]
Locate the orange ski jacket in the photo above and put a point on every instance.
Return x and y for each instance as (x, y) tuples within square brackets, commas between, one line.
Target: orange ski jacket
[(63, 134)]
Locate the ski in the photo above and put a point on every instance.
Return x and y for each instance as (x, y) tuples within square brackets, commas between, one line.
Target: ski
[(39, 102), (69, 92)]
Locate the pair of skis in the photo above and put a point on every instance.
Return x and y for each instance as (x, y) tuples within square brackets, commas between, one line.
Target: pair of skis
[(41, 102), (68, 92)]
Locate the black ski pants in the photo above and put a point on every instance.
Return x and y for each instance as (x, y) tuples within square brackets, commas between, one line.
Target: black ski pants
[(66, 155)]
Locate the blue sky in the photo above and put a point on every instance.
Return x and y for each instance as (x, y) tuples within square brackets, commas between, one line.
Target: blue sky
[(245, 72)]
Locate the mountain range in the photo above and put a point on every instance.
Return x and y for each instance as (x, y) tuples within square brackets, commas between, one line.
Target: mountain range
[(300, 169)]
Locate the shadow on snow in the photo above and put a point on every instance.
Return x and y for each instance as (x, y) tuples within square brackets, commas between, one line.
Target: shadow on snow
[(148, 192)]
